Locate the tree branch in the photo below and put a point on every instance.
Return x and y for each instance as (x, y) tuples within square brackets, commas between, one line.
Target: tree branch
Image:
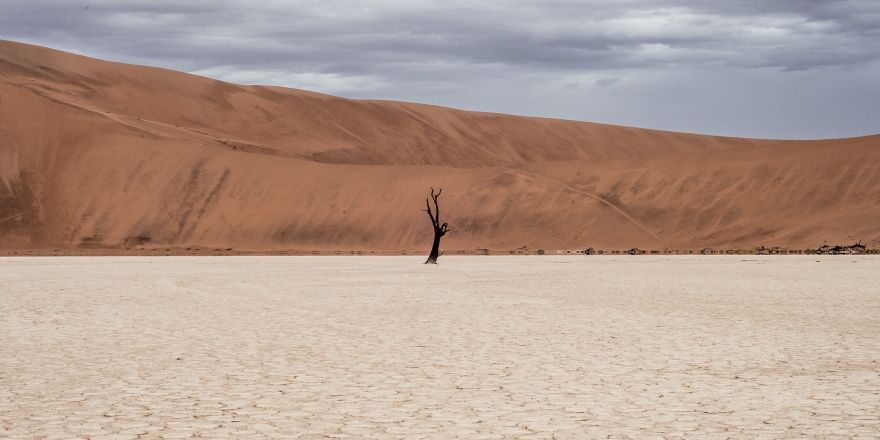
[(433, 220), (436, 207)]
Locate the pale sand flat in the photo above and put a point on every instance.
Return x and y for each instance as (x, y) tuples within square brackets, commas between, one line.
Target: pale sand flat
[(476, 347)]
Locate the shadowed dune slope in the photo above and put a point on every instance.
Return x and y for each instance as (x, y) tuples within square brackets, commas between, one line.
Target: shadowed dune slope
[(102, 154)]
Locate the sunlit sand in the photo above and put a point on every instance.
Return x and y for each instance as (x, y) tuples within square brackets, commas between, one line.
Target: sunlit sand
[(475, 347)]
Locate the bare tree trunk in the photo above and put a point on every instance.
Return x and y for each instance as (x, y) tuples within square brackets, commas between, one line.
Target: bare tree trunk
[(439, 229), (435, 250)]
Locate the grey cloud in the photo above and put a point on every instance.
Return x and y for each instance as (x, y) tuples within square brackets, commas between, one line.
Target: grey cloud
[(606, 81), (423, 51)]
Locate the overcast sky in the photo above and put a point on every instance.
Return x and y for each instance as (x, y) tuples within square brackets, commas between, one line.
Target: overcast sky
[(757, 68)]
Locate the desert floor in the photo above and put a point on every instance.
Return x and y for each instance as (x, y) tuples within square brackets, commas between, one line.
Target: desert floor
[(476, 347)]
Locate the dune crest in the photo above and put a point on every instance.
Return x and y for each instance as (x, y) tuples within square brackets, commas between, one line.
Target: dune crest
[(101, 154)]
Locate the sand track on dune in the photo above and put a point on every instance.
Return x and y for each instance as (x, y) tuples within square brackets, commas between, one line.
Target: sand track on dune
[(592, 196)]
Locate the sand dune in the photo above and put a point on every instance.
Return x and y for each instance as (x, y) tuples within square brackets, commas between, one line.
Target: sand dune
[(99, 154)]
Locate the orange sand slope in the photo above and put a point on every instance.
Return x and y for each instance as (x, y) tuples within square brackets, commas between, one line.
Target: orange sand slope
[(101, 154)]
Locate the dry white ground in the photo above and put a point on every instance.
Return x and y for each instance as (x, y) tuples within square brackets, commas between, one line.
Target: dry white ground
[(476, 347)]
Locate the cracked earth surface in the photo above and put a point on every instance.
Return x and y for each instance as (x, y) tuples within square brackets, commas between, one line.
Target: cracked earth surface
[(476, 347)]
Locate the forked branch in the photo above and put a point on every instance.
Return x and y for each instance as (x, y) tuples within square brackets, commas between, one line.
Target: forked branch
[(435, 215)]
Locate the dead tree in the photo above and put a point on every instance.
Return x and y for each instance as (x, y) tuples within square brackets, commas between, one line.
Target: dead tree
[(439, 229)]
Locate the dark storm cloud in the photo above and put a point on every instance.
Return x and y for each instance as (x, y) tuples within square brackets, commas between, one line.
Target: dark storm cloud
[(549, 52)]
